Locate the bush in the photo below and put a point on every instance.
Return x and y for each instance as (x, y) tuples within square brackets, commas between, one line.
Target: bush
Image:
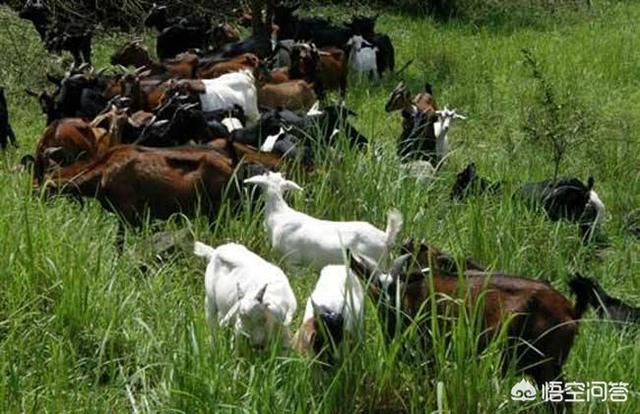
[(480, 11)]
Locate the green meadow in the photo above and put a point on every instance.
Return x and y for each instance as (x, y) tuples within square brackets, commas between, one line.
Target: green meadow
[(86, 328)]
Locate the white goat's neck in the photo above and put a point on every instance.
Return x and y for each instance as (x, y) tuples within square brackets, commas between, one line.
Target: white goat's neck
[(274, 202)]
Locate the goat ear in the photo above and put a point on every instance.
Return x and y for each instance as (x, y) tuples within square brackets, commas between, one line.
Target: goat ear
[(408, 246), (316, 308), (290, 185), (590, 183), (256, 179)]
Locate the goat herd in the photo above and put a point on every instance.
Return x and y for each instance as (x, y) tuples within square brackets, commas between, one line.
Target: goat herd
[(216, 113)]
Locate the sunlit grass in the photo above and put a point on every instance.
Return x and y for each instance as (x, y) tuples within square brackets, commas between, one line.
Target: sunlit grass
[(83, 328)]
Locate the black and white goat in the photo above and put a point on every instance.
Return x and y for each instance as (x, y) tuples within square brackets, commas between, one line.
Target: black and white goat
[(564, 198)]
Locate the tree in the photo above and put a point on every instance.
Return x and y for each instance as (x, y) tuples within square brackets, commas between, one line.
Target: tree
[(258, 25)]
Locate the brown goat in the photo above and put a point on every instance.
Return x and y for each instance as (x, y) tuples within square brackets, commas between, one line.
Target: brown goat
[(210, 70), (327, 68), (274, 76), (294, 95), (131, 181), (137, 55), (64, 142), (400, 98), (145, 94), (542, 322)]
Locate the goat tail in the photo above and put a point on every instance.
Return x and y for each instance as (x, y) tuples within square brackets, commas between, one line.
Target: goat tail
[(583, 288), (203, 250), (394, 225)]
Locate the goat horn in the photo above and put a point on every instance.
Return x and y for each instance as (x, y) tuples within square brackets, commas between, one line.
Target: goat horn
[(190, 106), (399, 264), (51, 150)]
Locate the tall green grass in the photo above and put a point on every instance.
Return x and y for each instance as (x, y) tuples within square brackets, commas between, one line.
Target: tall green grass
[(84, 328)]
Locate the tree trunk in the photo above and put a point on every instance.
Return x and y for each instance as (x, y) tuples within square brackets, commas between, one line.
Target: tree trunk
[(257, 25)]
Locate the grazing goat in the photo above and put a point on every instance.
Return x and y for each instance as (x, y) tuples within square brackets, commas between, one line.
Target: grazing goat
[(6, 132), (362, 56), (542, 323), (305, 240), (243, 289), (565, 198), (334, 310), (607, 307)]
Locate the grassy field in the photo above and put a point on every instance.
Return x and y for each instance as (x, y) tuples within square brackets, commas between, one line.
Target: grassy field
[(83, 328)]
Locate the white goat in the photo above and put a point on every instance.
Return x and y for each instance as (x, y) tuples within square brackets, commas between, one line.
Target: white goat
[(441, 127), (337, 302), (236, 88), (304, 240), (244, 289), (363, 56)]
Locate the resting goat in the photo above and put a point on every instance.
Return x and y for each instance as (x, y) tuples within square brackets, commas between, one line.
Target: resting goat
[(243, 289), (305, 240), (606, 306), (542, 323), (334, 310), (424, 143)]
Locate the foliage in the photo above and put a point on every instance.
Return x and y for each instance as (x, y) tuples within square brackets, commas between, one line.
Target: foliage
[(559, 126)]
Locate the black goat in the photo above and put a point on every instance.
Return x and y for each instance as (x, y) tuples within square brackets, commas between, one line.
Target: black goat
[(77, 94), (177, 34), (58, 33), (606, 306)]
